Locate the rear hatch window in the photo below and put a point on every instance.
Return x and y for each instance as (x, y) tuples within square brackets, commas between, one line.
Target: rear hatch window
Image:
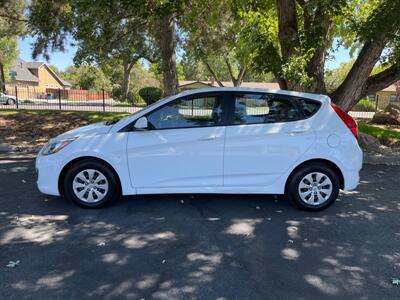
[(309, 107)]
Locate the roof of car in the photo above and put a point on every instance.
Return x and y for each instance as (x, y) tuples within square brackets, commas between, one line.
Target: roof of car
[(318, 97)]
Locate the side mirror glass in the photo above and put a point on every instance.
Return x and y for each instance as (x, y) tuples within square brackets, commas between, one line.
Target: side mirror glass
[(141, 123)]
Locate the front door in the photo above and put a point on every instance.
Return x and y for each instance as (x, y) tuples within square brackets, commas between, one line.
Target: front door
[(183, 146)]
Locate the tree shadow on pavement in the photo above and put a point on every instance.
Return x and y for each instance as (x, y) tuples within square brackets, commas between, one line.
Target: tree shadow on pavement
[(198, 247)]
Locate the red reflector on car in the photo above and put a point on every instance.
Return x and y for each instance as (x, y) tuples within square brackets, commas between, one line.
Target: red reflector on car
[(347, 119)]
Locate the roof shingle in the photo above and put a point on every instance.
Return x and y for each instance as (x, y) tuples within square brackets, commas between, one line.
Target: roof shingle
[(23, 73)]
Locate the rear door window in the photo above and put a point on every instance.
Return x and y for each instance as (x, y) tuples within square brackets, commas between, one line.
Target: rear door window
[(264, 108)]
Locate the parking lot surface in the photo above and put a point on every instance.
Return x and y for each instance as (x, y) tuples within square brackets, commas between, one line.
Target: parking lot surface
[(198, 247)]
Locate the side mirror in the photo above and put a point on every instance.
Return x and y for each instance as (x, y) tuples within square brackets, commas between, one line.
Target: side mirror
[(141, 123)]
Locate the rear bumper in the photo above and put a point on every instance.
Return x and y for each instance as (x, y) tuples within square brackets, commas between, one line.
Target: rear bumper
[(352, 165), (351, 180)]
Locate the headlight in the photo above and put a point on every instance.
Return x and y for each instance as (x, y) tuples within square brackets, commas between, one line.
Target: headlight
[(54, 146)]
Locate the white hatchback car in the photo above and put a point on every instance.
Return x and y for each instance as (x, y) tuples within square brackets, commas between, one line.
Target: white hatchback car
[(217, 140)]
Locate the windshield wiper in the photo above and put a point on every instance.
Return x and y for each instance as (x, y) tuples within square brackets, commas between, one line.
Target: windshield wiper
[(111, 122)]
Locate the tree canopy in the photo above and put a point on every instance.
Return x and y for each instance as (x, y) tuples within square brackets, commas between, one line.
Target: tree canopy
[(293, 39), (12, 24), (231, 39)]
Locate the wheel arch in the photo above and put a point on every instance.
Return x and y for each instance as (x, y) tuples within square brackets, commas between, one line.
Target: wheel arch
[(78, 159), (327, 162)]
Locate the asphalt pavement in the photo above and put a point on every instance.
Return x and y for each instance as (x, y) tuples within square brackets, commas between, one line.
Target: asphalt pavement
[(198, 247)]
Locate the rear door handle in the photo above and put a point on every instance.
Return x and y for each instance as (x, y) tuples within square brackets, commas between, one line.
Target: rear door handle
[(293, 132), (208, 138)]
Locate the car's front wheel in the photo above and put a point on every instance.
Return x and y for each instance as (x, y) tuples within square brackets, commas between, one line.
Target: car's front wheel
[(91, 183), (10, 102), (313, 187)]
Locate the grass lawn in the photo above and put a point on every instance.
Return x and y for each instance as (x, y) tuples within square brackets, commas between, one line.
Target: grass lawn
[(380, 132)]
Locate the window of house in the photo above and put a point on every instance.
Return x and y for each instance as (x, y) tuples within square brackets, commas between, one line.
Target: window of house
[(394, 98), (371, 98), (262, 108), (184, 113)]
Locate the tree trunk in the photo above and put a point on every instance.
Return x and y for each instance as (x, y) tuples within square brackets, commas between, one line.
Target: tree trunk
[(288, 30), (288, 36), (316, 66), (213, 74), (236, 81), (2, 78), (242, 73), (354, 86), (317, 25), (126, 80), (167, 44), (383, 79)]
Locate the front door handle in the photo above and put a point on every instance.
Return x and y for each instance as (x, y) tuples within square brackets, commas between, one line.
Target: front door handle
[(208, 138)]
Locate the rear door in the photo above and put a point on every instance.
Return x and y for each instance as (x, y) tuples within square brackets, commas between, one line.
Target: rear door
[(268, 133)]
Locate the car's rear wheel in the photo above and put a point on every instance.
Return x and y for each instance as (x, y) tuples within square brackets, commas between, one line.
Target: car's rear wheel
[(313, 187), (90, 183)]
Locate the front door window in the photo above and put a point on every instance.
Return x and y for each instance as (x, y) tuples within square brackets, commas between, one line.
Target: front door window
[(187, 113)]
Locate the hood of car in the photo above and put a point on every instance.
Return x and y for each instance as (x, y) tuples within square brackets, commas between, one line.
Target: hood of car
[(92, 129)]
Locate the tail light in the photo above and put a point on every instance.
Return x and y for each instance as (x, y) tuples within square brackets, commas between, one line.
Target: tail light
[(347, 120)]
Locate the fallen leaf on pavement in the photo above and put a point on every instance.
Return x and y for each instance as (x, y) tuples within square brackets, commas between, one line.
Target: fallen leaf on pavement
[(396, 281), (13, 264)]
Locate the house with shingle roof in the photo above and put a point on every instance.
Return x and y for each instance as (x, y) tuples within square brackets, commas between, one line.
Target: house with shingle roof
[(389, 95), (38, 75)]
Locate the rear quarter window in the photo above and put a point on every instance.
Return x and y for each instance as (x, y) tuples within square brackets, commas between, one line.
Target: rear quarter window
[(309, 107)]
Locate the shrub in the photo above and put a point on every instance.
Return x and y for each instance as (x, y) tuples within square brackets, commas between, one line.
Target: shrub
[(364, 105), (150, 94), (117, 92)]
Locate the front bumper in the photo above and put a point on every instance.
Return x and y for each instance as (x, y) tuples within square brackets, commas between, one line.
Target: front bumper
[(48, 169)]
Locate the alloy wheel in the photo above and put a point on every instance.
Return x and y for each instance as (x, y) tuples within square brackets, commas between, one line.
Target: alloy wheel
[(315, 188), (90, 186)]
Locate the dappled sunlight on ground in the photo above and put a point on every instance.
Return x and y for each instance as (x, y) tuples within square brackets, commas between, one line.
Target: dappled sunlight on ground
[(42, 230), (198, 247)]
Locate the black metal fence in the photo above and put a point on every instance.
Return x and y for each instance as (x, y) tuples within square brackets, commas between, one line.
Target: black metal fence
[(366, 108), (62, 99), (102, 101)]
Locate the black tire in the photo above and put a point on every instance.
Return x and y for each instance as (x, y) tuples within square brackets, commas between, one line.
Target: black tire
[(292, 188), (10, 101), (114, 190)]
